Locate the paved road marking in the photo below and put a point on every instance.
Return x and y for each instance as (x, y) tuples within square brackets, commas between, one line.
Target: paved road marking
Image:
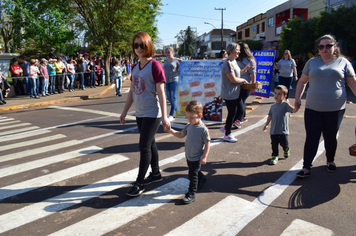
[(11, 170), (301, 227), (121, 214), (24, 135), (36, 151), (29, 185), (15, 126), (32, 142), (2, 119), (9, 123), (14, 131)]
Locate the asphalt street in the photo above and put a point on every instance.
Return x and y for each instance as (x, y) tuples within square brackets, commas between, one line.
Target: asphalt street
[(65, 168)]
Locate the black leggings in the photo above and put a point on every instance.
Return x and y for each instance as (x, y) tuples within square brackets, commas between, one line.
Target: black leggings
[(148, 148), (232, 106), (316, 123), (241, 107)]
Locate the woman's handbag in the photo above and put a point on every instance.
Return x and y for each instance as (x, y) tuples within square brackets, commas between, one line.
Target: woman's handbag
[(352, 149)]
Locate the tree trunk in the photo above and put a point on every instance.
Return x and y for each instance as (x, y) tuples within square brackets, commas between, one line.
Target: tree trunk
[(107, 56)]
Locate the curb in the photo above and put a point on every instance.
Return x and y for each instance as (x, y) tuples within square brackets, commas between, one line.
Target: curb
[(58, 101)]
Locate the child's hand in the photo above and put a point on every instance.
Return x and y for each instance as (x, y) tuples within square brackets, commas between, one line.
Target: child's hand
[(203, 160)]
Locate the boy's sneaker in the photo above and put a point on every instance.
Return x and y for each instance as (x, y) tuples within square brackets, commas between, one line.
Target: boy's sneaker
[(189, 198), (229, 138), (135, 190), (222, 130), (274, 160), (237, 124), (287, 153), (152, 179)]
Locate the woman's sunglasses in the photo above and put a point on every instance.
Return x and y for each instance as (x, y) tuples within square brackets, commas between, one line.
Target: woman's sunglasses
[(327, 46), (136, 45)]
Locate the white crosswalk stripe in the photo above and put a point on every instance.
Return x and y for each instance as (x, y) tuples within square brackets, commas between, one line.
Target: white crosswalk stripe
[(9, 122), (23, 136)]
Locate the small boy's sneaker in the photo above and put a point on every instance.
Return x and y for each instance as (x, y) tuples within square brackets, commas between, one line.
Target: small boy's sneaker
[(274, 160), (152, 179), (287, 153), (222, 130), (189, 198), (229, 138), (237, 124), (135, 190)]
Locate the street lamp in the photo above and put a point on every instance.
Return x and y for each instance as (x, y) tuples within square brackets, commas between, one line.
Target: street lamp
[(207, 23)]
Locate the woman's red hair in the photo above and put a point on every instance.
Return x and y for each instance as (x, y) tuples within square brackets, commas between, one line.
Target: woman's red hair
[(147, 42)]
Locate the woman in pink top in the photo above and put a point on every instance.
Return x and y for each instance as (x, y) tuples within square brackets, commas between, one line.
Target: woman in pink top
[(33, 76)]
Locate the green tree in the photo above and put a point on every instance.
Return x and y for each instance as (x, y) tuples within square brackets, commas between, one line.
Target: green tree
[(186, 41), (252, 44), (114, 22)]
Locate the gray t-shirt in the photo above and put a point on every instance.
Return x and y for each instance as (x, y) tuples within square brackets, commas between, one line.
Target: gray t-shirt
[(229, 91), (171, 70), (326, 90), (242, 64), (280, 118), (197, 136), (286, 67), (144, 88)]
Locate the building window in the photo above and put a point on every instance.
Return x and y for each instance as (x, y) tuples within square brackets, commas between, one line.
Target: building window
[(239, 35), (247, 33), (263, 27), (258, 29), (270, 22)]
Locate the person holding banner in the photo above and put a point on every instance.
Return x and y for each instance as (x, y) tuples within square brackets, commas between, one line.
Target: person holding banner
[(245, 58), (231, 87), (171, 71), (147, 91), (326, 99), (287, 70)]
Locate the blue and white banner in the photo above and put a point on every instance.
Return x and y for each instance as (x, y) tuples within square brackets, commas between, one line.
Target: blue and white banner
[(264, 69)]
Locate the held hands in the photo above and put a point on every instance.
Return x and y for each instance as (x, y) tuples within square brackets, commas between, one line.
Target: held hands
[(297, 103), (165, 124)]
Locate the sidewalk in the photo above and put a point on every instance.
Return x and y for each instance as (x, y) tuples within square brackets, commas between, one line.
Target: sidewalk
[(24, 101)]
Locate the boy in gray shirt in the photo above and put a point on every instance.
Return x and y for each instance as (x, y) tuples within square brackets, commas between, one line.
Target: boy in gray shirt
[(278, 114), (197, 147)]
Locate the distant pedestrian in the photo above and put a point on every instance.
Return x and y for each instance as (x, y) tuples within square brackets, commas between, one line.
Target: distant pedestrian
[(287, 70), (147, 91), (16, 79), (59, 74), (171, 71), (34, 71), (3, 81), (71, 73), (44, 77), (117, 70), (197, 146), (279, 116), (25, 66), (52, 76)]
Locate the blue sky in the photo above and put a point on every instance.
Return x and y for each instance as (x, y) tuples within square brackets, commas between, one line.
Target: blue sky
[(179, 14)]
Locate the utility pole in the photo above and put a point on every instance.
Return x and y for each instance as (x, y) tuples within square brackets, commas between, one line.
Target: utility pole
[(222, 24)]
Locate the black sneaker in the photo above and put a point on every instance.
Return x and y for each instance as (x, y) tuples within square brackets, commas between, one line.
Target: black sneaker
[(331, 168), (189, 198), (152, 179), (202, 182), (302, 174), (135, 190)]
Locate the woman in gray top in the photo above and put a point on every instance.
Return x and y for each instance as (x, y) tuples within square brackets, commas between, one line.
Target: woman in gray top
[(230, 87), (246, 58), (171, 71), (287, 69), (326, 100)]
